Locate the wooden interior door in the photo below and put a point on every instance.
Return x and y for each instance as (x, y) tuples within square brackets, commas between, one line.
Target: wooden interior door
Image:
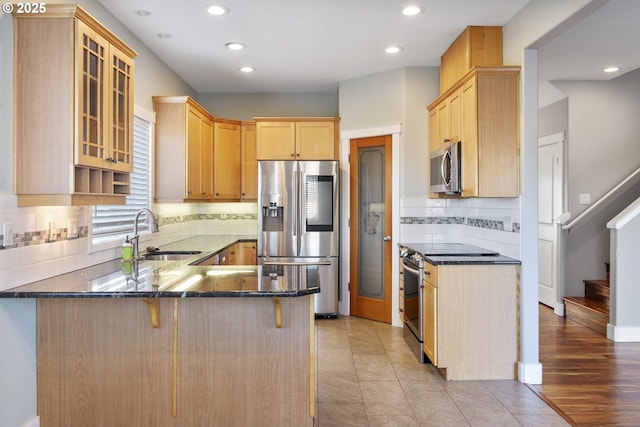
[(370, 228)]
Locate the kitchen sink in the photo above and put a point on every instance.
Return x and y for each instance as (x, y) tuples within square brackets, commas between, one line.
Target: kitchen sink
[(170, 255)]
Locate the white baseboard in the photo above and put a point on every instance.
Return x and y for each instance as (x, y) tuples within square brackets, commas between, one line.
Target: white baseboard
[(33, 423), (623, 333), (530, 373), (559, 309)]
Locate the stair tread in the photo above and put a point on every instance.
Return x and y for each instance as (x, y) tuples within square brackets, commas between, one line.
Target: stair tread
[(590, 303), (598, 282)]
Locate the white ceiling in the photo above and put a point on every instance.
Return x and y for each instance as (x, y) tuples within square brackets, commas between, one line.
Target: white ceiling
[(311, 45)]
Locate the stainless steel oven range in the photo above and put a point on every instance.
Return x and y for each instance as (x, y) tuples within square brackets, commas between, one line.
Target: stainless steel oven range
[(413, 259), (413, 272)]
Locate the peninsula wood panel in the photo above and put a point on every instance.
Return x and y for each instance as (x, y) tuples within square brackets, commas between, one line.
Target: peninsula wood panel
[(100, 362), (236, 368)]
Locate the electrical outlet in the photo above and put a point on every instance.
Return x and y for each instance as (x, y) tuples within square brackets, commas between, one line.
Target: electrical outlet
[(7, 232), (52, 231), (72, 228), (507, 222)]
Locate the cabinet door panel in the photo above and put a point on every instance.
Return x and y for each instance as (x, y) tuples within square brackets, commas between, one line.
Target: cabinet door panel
[(430, 320), (92, 53), (121, 127), (227, 157), (249, 190), (194, 128), (315, 140), (207, 159), (275, 140)]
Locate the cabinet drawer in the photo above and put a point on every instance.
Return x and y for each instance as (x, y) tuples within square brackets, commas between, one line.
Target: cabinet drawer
[(431, 274)]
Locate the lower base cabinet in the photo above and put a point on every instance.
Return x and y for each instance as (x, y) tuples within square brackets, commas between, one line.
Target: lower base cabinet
[(210, 362), (471, 320)]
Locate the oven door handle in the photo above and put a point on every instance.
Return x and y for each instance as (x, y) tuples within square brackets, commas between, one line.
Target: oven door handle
[(412, 270), (300, 263)]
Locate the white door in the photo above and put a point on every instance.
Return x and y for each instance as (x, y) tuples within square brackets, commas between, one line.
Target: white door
[(550, 207)]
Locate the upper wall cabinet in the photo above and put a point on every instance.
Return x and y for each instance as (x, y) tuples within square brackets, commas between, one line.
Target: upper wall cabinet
[(227, 160), (202, 158), (73, 95), (299, 138), (249, 190), (184, 150), (488, 130), (476, 46)]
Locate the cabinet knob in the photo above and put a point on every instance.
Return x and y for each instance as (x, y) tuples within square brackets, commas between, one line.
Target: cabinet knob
[(292, 155), (447, 140)]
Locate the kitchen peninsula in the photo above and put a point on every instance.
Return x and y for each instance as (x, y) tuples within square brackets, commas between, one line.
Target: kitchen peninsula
[(174, 344)]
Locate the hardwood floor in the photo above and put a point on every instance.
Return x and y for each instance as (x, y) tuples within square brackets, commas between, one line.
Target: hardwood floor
[(590, 380)]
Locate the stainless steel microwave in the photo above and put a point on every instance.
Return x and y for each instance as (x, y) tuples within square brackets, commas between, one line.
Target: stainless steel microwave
[(445, 170)]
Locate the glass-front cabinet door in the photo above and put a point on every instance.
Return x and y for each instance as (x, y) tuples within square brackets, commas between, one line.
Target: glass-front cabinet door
[(121, 150), (104, 103)]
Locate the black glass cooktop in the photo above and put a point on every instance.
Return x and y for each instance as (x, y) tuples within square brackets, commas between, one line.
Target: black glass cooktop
[(443, 249)]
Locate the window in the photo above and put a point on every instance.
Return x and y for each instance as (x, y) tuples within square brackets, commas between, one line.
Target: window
[(115, 222)]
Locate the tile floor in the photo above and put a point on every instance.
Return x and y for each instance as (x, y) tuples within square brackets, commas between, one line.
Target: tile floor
[(367, 376)]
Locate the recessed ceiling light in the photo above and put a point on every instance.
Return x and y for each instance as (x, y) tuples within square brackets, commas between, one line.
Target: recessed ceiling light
[(247, 69), (235, 45), (141, 12), (393, 49), (412, 10), (217, 10), (611, 69), (165, 35)]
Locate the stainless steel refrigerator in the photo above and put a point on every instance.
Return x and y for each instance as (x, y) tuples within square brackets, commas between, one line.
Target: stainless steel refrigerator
[(298, 214)]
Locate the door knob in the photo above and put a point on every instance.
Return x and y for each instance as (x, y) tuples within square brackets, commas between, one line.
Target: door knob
[(387, 238)]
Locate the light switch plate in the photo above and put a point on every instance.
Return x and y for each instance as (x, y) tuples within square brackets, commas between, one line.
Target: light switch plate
[(585, 198), (7, 232)]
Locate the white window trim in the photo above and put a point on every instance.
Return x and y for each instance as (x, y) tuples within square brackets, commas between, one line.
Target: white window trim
[(149, 116)]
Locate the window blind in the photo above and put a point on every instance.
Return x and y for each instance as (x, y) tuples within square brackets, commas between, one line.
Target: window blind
[(116, 222)]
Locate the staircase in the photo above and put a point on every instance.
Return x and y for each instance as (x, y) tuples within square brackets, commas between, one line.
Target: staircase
[(591, 311)]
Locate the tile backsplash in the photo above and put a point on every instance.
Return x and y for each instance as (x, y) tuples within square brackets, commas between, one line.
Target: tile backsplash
[(490, 223)]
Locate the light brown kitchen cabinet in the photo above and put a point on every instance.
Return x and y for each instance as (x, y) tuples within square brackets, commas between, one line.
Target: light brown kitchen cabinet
[(249, 181), (184, 150), (246, 253), (471, 320), (304, 138), (482, 108), (227, 160), (476, 46), (77, 147), (430, 313), (490, 133), (445, 122)]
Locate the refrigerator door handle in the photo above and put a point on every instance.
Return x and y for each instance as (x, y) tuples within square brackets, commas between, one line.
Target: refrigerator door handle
[(296, 204), (301, 263)]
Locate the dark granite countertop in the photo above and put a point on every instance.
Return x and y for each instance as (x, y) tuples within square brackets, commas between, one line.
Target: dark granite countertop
[(170, 279), (469, 260), (457, 253)]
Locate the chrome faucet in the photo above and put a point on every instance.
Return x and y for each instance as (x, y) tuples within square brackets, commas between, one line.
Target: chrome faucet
[(136, 236)]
